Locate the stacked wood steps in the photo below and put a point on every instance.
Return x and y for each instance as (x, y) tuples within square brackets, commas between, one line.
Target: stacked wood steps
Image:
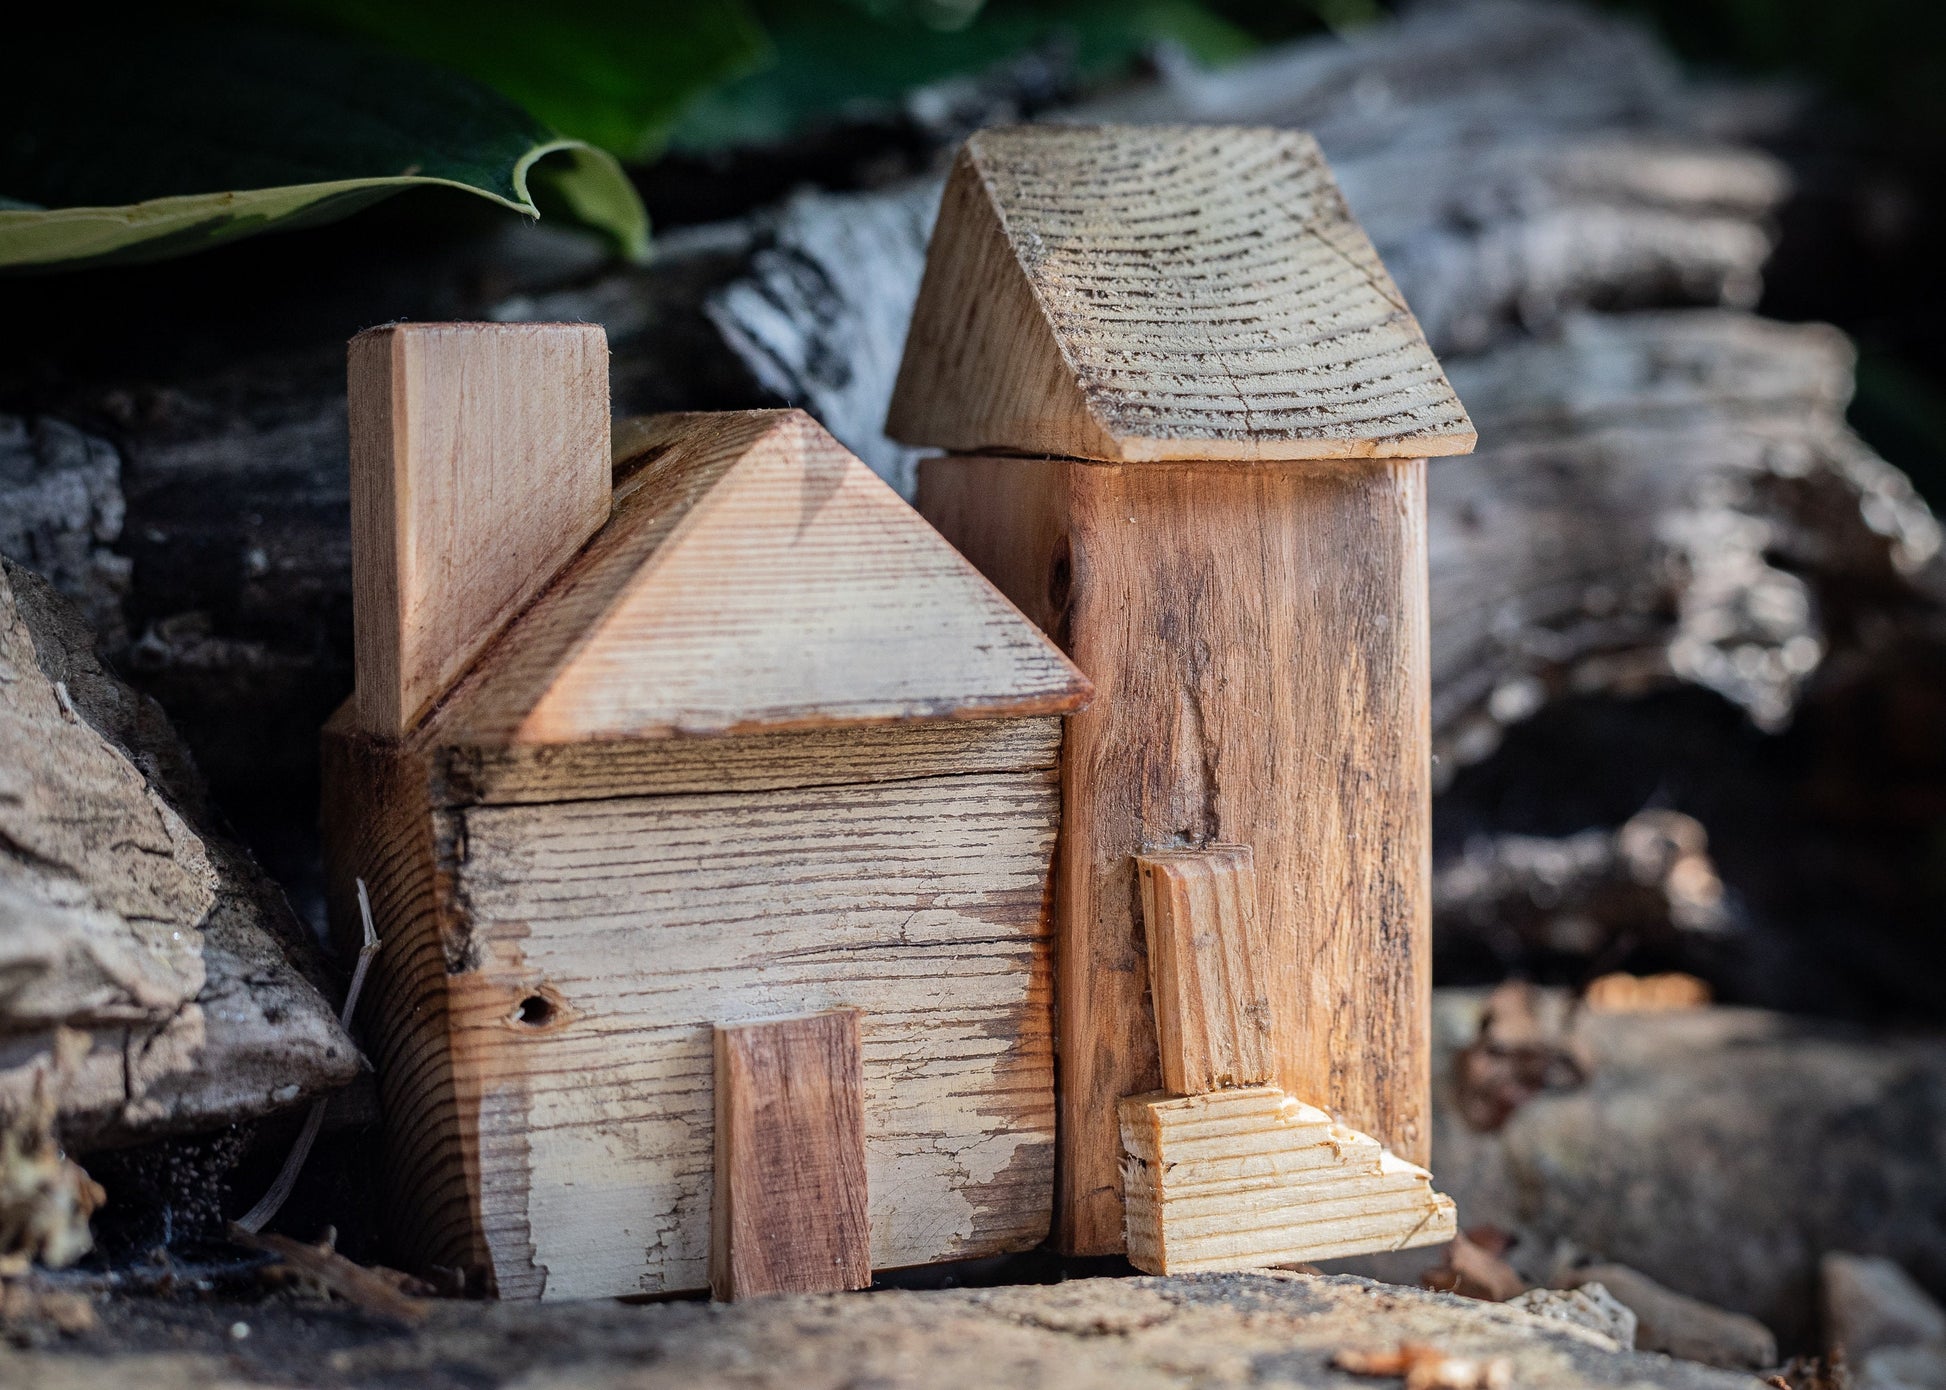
[(1251, 1177)]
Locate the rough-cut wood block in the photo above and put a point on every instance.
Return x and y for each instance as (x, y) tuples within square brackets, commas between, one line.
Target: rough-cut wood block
[(1257, 639), (790, 1213), (1163, 292), (542, 1011), (1207, 964), (479, 465), (755, 576), (1249, 1178)]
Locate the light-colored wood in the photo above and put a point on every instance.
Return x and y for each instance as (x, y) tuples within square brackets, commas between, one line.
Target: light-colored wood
[(1139, 293), (1250, 1178), (479, 465), (525, 772), (1257, 639), (790, 1211), (1207, 968), (756, 576), (552, 971)]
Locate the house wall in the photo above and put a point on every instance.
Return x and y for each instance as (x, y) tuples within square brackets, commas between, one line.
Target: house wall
[(602, 938)]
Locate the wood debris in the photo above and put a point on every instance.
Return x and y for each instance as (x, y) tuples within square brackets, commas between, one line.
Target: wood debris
[(1525, 1046), (1473, 1268), (376, 1292), (1429, 1368), (29, 1310), (45, 1197)]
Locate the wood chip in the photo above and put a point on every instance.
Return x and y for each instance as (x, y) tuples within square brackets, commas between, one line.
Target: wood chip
[(1473, 1269), (1645, 994), (1429, 1368), (367, 1289)]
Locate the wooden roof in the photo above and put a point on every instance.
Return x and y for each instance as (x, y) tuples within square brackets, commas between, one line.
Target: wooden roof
[(1145, 293), (754, 575)]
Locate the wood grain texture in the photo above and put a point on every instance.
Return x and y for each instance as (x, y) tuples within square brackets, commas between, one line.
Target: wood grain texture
[(523, 772), (756, 576), (552, 972), (479, 465), (1257, 639), (1207, 956), (382, 822), (790, 1211), (1250, 1178), (1139, 293)]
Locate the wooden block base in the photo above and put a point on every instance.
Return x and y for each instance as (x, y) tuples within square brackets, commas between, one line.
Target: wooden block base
[(1252, 1178)]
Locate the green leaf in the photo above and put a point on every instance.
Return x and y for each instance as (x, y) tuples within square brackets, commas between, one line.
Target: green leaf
[(133, 142), (615, 73), (835, 57)]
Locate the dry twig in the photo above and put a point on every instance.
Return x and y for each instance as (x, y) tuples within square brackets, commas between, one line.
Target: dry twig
[(273, 1201)]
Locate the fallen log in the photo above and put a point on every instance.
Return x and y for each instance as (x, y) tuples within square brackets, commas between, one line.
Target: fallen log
[(1719, 1151), (163, 943)]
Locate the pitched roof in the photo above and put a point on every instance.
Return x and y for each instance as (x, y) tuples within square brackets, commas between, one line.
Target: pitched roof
[(1143, 293), (754, 575)]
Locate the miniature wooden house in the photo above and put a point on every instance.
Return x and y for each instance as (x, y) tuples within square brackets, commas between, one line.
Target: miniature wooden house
[(1188, 415), (639, 762)]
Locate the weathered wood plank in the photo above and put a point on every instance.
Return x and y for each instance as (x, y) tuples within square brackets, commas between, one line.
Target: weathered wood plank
[(790, 1209), (479, 465), (1257, 637), (1139, 293), (520, 772), (546, 1057), (1207, 961), (1248, 1178), (756, 576)]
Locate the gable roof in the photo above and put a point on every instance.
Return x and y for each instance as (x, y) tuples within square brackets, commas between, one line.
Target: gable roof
[(754, 575), (1144, 293)]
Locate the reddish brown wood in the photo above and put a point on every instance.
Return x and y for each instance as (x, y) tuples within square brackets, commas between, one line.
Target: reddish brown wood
[(790, 1213)]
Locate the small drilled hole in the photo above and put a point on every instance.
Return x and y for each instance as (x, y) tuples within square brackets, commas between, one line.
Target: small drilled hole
[(535, 1011)]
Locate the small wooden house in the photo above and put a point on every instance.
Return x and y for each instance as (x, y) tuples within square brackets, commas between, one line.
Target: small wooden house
[(1187, 417), (642, 762)]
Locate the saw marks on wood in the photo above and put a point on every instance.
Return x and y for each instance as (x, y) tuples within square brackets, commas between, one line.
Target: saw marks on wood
[(1251, 1177), (571, 1032), (790, 1209), (755, 575), (479, 465), (1163, 292)]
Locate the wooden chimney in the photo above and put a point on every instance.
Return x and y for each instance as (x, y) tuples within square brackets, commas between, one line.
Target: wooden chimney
[(1188, 415)]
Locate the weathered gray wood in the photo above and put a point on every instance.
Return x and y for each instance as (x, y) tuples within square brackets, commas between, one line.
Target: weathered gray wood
[(1666, 497), (1756, 1132), (122, 919)]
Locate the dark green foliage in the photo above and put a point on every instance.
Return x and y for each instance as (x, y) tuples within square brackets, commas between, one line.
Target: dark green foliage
[(236, 126)]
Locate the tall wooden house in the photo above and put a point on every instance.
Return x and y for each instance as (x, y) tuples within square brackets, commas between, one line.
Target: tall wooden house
[(705, 803), (1187, 417)]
